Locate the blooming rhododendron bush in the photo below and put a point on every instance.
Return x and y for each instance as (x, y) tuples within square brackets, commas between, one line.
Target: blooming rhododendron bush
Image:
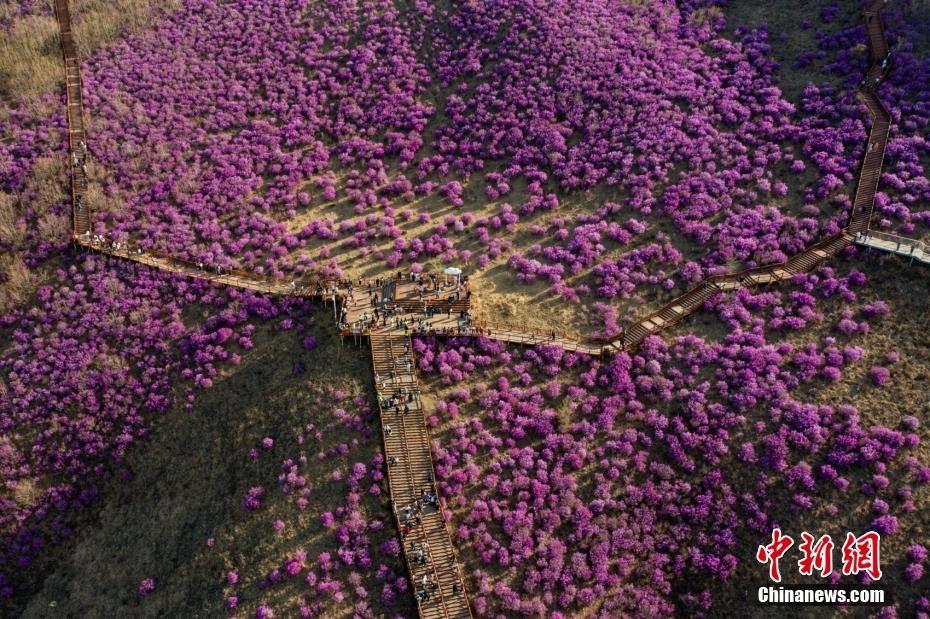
[(642, 484), (103, 348), (270, 492), (603, 150)]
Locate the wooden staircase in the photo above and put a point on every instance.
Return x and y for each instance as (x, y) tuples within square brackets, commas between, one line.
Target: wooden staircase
[(77, 136), (431, 561)]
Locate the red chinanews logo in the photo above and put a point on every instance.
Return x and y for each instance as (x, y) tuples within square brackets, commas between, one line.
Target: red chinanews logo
[(859, 554)]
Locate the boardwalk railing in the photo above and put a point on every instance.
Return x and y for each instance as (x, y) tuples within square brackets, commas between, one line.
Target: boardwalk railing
[(892, 243), (260, 282), (435, 572)]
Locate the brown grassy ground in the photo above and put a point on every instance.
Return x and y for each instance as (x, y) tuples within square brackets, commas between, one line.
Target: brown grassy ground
[(46, 188)]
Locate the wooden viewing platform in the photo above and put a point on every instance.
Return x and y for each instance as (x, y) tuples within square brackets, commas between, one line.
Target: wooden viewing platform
[(894, 244), (390, 311)]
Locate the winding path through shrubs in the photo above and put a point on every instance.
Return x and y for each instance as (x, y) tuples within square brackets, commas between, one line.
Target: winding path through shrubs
[(666, 316)]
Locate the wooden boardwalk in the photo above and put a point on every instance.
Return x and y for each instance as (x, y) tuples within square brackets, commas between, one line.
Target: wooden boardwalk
[(859, 219), (391, 309), (435, 571), (300, 287), (77, 136)]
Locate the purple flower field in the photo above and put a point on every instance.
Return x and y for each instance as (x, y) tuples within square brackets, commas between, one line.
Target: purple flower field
[(582, 161), (632, 486), (328, 150)]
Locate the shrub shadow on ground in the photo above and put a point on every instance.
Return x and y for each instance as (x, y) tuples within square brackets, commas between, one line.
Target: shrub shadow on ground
[(189, 482)]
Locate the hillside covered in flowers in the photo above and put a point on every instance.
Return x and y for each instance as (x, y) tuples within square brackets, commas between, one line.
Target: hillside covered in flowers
[(171, 448)]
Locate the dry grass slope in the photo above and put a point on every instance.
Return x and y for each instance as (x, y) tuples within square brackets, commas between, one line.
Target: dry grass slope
[(30, 69), (30, 57)]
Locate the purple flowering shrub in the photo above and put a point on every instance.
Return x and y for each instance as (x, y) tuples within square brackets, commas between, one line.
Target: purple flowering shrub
[(146, 587), (328, 150), (632, 483), (103, 348)]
